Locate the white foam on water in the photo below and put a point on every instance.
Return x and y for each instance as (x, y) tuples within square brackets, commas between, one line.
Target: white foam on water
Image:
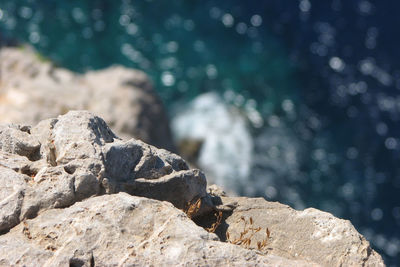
[(226, 153)]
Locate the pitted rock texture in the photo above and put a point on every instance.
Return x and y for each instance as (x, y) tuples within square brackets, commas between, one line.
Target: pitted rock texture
[(32, 90), (310, 235), (123, 230), (74, 194), (68, 159)]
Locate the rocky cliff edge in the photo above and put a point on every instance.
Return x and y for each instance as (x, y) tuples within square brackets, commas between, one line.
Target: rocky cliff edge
[(73, 194)]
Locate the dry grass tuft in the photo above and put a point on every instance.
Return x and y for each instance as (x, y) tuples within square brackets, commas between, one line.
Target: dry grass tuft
[(217, 223), (192, 207), (248, 233)]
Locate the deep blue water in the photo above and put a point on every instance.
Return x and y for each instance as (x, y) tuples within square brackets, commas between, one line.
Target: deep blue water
[(324, 75)]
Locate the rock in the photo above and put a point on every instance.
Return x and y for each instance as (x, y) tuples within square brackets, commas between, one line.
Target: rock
[(72, 193), (68, 159), (215, 190), (123, 97), (11, 195), (123, 230), (309, 235)]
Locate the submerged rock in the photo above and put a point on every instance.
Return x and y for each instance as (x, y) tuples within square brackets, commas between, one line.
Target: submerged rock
[(32, 89), (72, 193)]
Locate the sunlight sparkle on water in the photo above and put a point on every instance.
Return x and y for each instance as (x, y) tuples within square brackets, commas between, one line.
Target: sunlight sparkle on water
[(337, 64), (167, 78), (241, 28), (256, 20), (228, 20), (305, 5)]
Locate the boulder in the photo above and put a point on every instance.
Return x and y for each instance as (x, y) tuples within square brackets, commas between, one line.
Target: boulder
[(68, 159), (33, 89)]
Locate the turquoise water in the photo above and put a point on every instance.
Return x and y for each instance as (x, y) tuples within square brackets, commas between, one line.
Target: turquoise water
[(193, 53), (324, 78)]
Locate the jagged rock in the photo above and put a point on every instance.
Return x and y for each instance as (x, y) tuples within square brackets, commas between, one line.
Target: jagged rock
[(309, 235), (32, 90), (215, 190), (65, 160), (72, 193), (123, 230)]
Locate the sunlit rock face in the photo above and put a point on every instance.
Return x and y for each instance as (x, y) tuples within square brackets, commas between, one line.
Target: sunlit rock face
[(308, 234), (124, 230), (75, 156), (73, 193), (33, 89)]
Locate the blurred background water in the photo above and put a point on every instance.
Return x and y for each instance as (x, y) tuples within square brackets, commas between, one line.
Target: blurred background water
[(295, 101)]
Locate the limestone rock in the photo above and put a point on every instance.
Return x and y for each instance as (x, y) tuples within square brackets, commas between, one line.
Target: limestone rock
[(123, 230), (68, 159), (215, 190), (32, 90), (309, 235), (74, 194)]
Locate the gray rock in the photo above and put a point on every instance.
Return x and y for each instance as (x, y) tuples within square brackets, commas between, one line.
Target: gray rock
[(77, 156), (15, 139), (309, 235), (123, 230), (32, 90), (12, 187), (72, 193)]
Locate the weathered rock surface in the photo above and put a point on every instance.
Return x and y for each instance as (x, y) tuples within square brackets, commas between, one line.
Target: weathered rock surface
[(309, 235), (72, 193), (32, 90), (62, 161), (122, 230)]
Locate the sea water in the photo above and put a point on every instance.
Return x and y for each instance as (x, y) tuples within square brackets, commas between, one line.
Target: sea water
[(296, 101)]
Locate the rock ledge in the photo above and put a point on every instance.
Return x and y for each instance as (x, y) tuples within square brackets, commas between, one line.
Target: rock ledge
[(72, 193)]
